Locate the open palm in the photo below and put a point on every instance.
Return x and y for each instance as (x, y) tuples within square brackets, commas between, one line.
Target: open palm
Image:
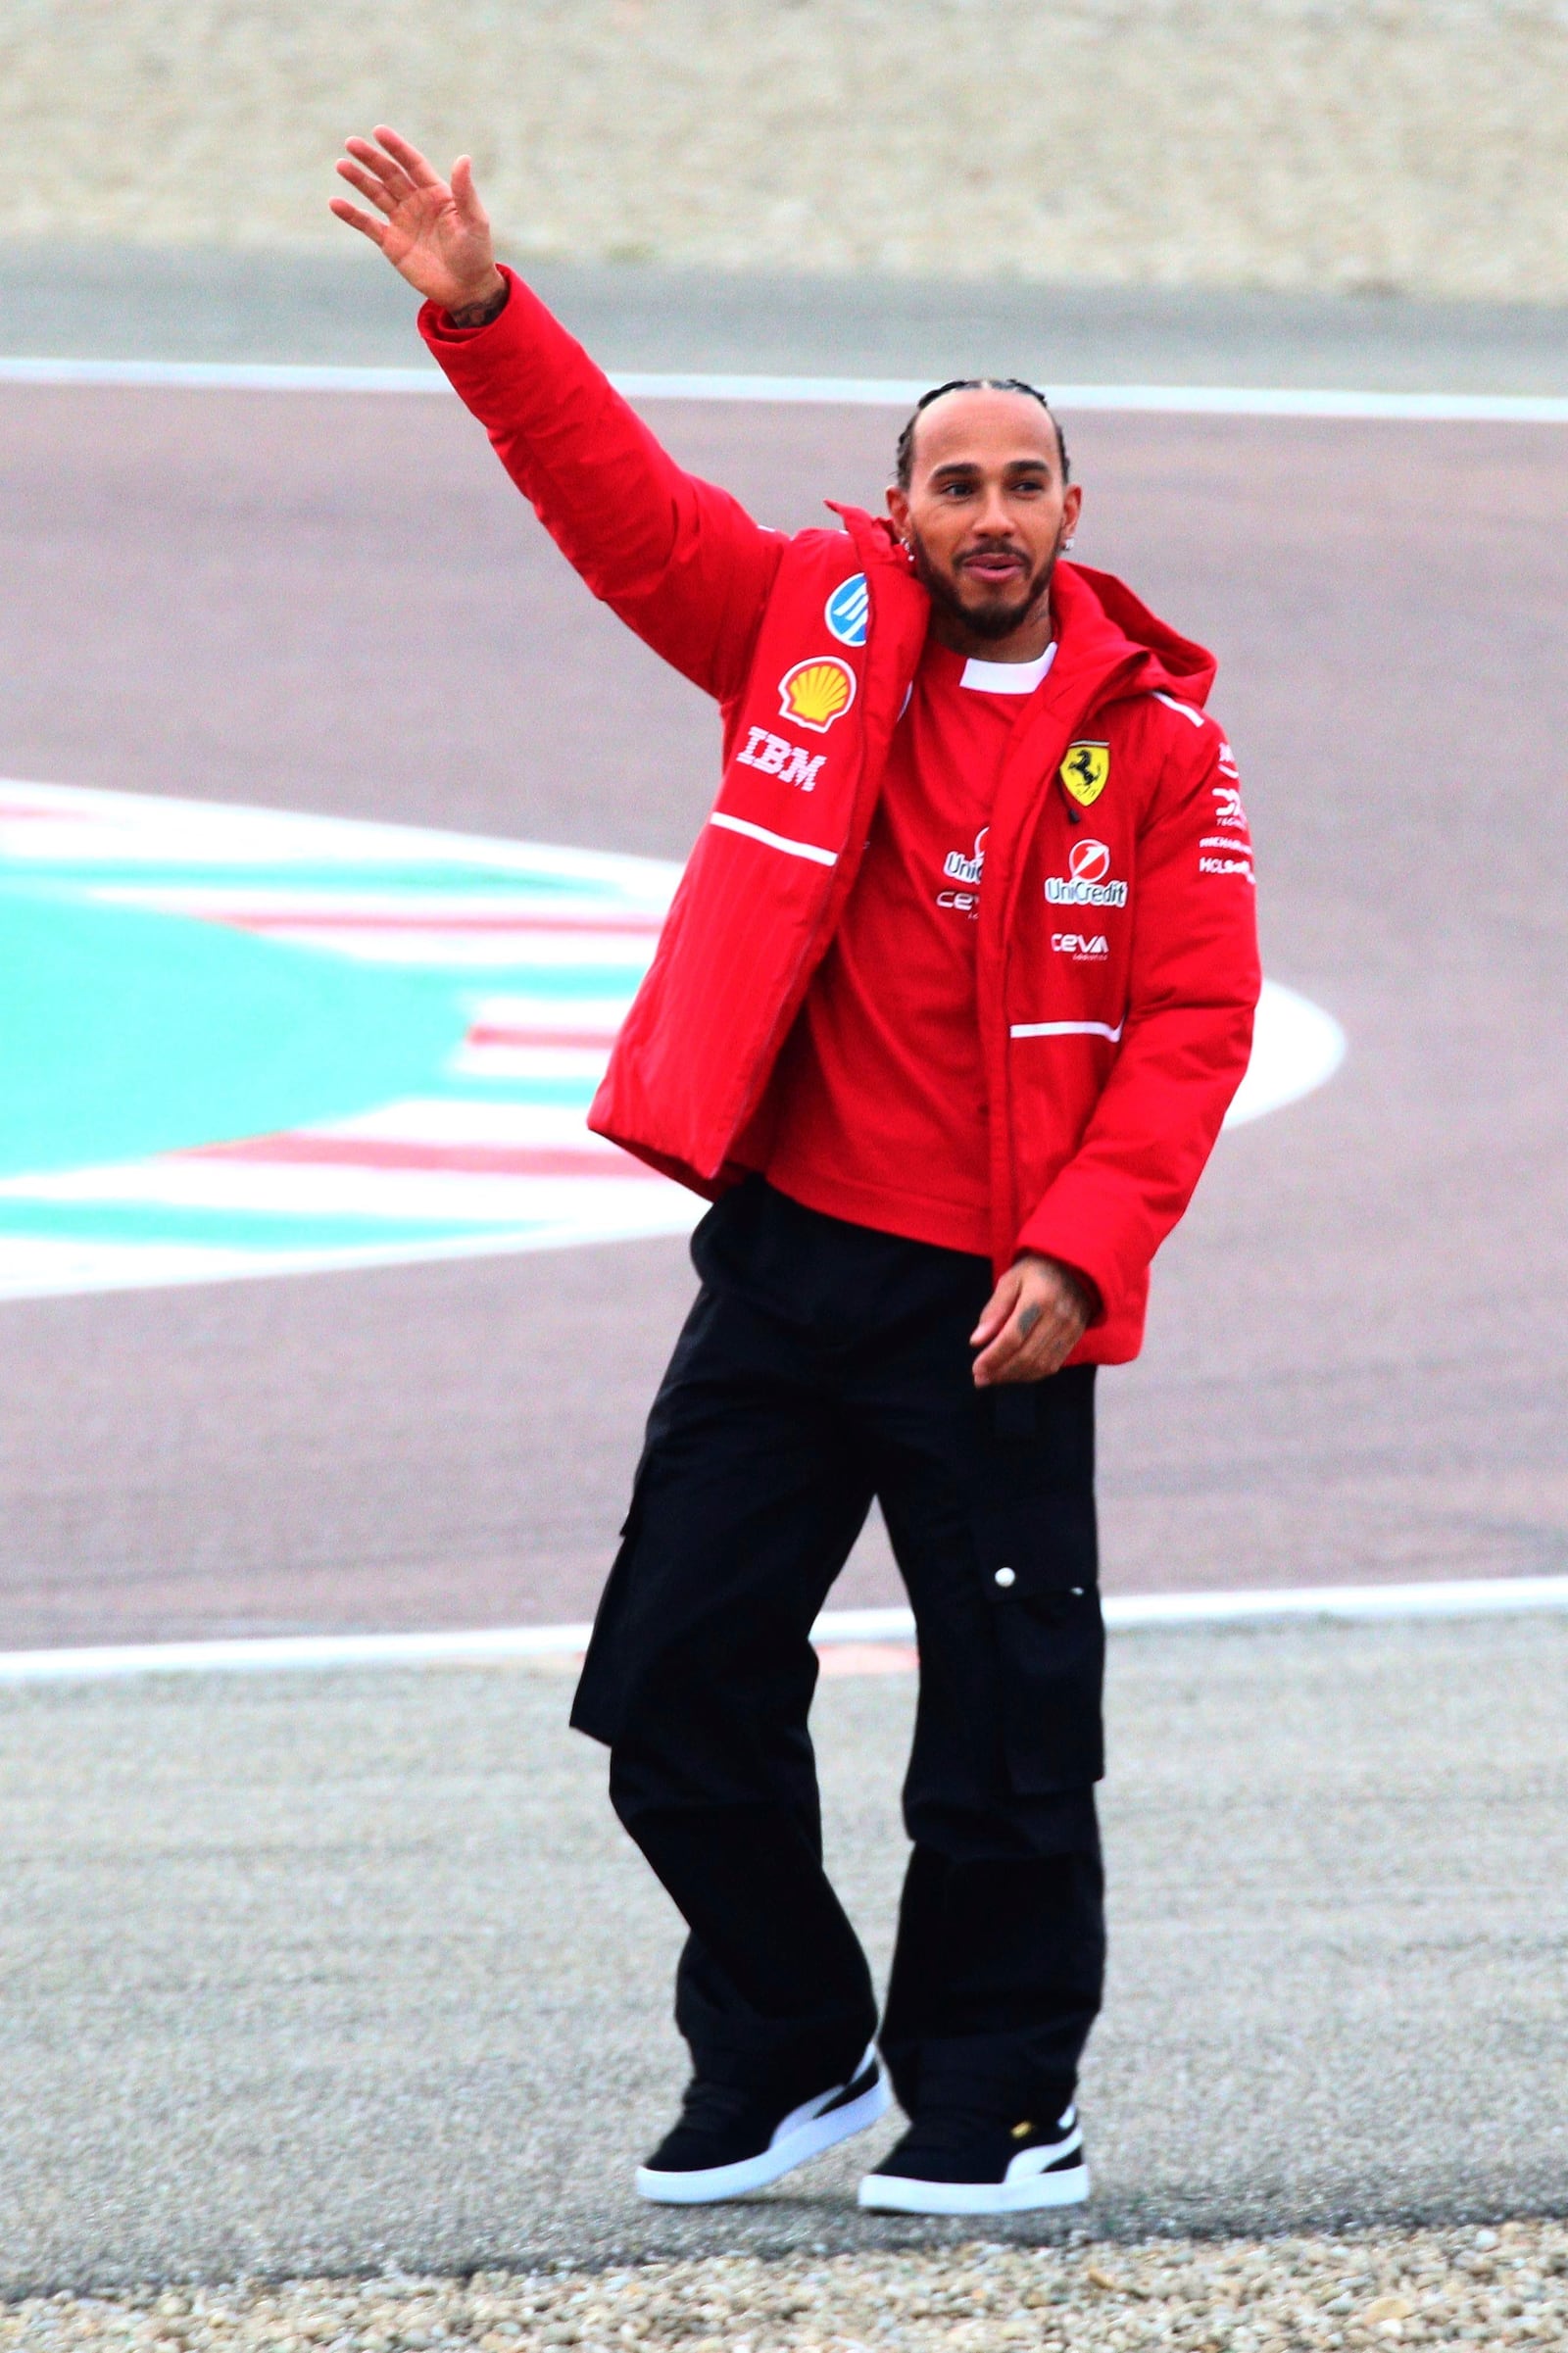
[(435, 234)]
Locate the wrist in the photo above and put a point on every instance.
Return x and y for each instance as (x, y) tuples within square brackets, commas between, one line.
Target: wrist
[(478, 309)]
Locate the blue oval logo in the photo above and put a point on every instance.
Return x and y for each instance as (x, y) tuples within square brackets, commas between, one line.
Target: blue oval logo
[(848, 611)]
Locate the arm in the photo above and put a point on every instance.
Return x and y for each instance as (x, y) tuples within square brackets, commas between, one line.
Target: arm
[(1188, 1034), (680, 561)]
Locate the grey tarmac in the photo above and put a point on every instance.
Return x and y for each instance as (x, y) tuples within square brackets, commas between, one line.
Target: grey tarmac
[(355, 1974), (217, 302)]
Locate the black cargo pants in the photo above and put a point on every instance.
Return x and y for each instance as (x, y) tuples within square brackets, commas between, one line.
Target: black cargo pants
[(822, 1364)]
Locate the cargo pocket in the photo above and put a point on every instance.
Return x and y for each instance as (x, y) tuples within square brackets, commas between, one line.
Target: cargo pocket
[(608, 1667), (634, 1511), (1037, 1558)]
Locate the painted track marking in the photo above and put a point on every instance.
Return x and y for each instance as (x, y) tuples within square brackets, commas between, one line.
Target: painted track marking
[(849, 1630), (858, 392), (248, 1042)]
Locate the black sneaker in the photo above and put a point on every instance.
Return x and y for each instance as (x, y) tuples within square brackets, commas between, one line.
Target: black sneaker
[(728, 2141), (961, 2161)]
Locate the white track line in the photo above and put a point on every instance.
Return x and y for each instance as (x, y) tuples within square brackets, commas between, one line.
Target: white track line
[(1124, 1613), (877, 392)]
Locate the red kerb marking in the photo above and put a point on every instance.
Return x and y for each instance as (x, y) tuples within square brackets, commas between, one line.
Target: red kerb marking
[(492, 1033), (458, 1159), (299, 918)]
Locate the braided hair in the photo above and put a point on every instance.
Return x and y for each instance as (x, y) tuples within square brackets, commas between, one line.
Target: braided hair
[(903, 455)]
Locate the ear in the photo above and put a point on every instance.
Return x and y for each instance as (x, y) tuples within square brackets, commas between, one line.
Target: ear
[(1072, 506), (899, 510)]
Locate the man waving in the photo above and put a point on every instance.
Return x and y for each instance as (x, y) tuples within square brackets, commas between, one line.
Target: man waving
[(944, 1022)]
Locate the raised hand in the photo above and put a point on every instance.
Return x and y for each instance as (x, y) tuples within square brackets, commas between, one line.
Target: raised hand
[(436, 236)]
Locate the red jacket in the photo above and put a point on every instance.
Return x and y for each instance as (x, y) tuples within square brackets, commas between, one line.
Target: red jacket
[(1117, 950)]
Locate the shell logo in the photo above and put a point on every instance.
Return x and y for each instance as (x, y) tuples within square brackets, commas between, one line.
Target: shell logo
[(815, 692)]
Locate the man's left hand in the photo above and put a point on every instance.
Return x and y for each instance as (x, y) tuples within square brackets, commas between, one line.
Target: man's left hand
[(1033, 1321)]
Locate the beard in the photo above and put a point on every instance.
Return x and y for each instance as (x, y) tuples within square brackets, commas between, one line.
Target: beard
[(993, 621)]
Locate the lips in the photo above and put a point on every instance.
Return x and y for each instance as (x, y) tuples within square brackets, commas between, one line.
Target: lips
[(997, 571)]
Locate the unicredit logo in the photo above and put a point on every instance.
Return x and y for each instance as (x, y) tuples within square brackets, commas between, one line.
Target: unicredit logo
[(1084, 884)]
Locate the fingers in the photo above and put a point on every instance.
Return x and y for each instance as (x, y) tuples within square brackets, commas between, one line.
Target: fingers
[(1036, 1339), (1001, 1360), (404, 152), (379, 194), (369, 158), (390, 170), (1031, 1345), (997, 1361), (357, 220), (998, 1307), (1047, 1348), (465, 196)]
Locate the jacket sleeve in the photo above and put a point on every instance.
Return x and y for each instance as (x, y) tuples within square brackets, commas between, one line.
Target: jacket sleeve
[(1186, 1036), (680, 561)]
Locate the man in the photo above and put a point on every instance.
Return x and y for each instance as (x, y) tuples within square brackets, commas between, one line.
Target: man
[(945, 1019)]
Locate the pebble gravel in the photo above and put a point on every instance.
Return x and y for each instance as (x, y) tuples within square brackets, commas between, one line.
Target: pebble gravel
[(1471, 2286)]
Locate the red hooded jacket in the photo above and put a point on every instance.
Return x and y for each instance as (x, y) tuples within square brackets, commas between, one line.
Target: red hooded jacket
[(1117, 816)]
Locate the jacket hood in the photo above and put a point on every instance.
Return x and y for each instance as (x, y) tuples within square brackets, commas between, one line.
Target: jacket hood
[(1111, 630), (1106, 609)]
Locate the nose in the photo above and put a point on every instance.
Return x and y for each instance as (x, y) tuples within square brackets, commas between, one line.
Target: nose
[(994, 521)]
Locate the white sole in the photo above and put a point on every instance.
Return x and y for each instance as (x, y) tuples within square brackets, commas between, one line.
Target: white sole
[(889, 2193), (807, 2140)]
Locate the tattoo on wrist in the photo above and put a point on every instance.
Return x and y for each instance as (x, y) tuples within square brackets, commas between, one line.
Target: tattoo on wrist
[(480, 314)]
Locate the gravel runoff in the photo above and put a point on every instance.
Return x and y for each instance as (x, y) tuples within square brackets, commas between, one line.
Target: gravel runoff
[(1414, 145), (1421, 2288)]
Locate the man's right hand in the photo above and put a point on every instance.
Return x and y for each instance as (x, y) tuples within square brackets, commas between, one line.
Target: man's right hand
[(438, 238)]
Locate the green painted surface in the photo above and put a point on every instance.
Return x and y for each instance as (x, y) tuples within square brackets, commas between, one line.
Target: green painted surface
[(125, 1033), (155, 1223)]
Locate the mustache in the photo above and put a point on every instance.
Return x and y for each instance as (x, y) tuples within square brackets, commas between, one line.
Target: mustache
[(1001, 620)]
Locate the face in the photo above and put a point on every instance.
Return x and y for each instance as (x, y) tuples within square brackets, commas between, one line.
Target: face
[(987, 511)]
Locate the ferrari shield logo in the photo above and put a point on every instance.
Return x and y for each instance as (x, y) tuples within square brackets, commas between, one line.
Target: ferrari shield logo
[(1084, 773)]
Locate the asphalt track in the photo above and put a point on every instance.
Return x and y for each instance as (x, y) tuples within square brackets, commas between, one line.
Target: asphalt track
[(337, 306), (1355, 1368)]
